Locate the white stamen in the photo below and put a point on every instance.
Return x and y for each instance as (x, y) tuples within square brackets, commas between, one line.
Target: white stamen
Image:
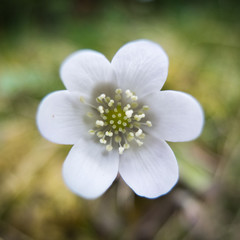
[(100, 134), (111, 102), (109, 148), (121, 150), (126, 146), (108, 133), (103, 141), (128, 93), (134, 98), (139, 132), (118, 91), (91, 132), (130, 137), (142, 136), (145, 107), (126, 107), (117, 97), (140, 143), (134, 104), (149, 123), (99, 123), (118, 139), (101, 109), (129, 113), (117, 122), (107, 99), (139, 117), (102, 96)]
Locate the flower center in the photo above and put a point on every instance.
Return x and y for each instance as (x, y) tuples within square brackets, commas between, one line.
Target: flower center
[(118, 124)]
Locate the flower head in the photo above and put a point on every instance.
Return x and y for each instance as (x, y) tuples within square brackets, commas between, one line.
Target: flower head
[(119, 121)]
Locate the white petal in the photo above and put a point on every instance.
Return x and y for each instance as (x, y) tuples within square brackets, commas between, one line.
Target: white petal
[(89, 169), (175, 116), (61, 117), (150, 170), (141, 66), (84, 70)]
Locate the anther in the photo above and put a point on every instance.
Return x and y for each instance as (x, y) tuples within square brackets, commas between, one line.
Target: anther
[(117, 97), (99, 123), (138, 133), (108, 133), (130, 136), (118, 91), (118, 139), (107, 99), (140, 143), (103, 141), (134, 104), (134, 98), (100, 98), (126, 146), (129, 113), (109, 148), (142, 136), (128, 93), (111, 102), (149, 123), (91, 132), (101, 109), (100, 134), (145, 107), (126, 107), (121, 150)]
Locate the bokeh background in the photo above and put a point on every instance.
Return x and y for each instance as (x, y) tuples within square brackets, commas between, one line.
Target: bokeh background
[(202, 39)]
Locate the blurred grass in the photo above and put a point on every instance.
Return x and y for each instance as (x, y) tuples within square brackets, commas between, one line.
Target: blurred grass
[(202, 42)]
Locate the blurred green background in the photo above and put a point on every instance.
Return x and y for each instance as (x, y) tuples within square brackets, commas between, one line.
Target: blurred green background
[(202, 39)]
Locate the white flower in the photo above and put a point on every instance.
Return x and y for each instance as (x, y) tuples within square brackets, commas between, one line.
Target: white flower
[(118, 120)]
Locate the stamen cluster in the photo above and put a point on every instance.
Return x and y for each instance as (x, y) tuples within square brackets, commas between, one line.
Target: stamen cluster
[(119, 124)]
